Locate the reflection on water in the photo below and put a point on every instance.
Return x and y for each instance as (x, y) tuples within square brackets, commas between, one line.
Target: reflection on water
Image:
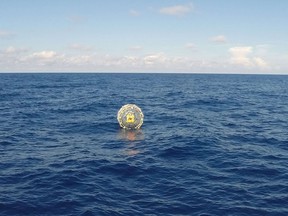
[(131, 136)]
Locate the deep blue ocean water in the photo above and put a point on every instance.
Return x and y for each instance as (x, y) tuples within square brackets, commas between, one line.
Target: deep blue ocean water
[(209, 145)]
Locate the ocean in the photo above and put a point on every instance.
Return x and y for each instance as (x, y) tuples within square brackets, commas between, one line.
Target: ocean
[(209, 145)]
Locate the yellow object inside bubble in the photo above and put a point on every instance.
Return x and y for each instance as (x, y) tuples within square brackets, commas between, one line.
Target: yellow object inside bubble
[(130, 118)]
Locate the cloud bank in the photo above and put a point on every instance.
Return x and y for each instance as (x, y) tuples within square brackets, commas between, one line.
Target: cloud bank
[(52, 61), (240, 59)]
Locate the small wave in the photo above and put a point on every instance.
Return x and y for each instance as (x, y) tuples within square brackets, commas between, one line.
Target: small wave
[(5, 143), (210, 145)]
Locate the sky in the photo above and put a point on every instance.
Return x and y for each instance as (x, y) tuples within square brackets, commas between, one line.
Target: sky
[(198, 36)]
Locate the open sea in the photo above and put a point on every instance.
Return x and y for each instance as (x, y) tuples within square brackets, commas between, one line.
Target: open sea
[(209, 145)]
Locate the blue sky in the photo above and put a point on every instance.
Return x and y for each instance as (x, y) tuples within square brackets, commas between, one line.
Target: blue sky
[(247, 36)]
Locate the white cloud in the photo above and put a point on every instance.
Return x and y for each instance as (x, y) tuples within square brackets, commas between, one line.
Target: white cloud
[(44, 54), (13, 50), (219, 39), (239, 55), (260, 62), (78, 60), (154, 59), (40, 61), (243, 56), (10, 50), (177, 10)]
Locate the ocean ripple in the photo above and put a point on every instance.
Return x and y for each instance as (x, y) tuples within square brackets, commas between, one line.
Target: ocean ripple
[(210, 145)]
